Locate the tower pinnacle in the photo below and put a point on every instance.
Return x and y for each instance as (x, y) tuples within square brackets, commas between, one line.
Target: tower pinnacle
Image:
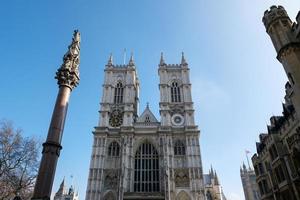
[(131, 60), (110, 60), (183, 61), (162, 60)]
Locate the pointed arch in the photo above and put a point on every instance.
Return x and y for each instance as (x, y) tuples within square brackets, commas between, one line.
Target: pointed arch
[(146, 169), (175, 92), (109, 196), (114, 149), (183, 196), (119, 90)]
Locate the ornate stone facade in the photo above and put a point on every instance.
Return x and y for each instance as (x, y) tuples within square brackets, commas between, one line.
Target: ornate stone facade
[(137, 156)]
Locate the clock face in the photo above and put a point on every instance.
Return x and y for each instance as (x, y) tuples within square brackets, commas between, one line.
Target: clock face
[(116, 118), (177, 120)]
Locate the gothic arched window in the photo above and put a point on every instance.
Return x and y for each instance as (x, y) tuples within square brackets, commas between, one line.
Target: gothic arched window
[(114, 149), (146, 169), (119, 93), (175, 92), (179, 148)]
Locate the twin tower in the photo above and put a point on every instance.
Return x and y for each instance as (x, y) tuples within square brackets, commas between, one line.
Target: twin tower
[(138, 156)]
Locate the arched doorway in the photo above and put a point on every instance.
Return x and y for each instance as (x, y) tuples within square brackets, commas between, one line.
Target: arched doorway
[(146, 169), (109, 196), (183, 196)]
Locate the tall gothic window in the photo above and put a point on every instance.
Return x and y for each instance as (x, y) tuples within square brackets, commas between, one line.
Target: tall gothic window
[(179, 148), (119, 93), (146, 172), (114, 149), (175, 92)]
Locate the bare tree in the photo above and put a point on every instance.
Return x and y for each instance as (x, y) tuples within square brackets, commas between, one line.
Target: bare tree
[(18, 163)]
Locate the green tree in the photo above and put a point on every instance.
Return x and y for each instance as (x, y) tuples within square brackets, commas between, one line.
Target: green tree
[(19, 162)]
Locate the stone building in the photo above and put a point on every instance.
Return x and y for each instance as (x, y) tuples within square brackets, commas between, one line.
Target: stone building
[(138, 156), (249, 183), (213, 188), (65, 193), (276, 163)]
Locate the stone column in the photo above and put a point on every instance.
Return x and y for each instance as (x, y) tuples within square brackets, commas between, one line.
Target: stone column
[(67, 78)]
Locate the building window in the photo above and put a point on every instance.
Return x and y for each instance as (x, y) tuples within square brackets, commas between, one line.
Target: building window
[(261, 168), (273, 152), (146, 169), (175, 92), (114, 149), (179, 148), (119, 93), (279, 174)]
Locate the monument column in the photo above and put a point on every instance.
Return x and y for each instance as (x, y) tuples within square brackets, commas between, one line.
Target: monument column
[(67, 78)]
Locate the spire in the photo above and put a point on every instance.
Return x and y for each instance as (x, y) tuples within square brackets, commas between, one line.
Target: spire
[(211, 172), (68, 73), (63, 184), (162, 60), (62, 188), (110, 60), (147, 105), (183, 61), (131, 61), (216, 179)]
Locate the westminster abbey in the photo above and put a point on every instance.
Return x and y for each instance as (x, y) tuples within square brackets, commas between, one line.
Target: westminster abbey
[(140, 157)]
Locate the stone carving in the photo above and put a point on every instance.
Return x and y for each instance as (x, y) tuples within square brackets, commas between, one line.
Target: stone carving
[(111, 179), (68, 73), (182, 177)]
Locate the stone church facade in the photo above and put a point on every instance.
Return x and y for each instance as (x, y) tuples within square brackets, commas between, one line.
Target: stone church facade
[(138, 156)]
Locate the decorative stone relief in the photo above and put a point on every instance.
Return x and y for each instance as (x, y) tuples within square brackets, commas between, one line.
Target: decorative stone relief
[(111, 179), (182, 177)]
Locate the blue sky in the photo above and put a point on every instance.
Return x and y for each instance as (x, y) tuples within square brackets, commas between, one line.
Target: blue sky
[(237, 83)]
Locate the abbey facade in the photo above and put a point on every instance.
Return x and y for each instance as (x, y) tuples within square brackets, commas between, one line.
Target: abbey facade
[(138, 156)]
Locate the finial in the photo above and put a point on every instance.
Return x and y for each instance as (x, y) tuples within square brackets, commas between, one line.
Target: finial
[(110, 60), (183, 61), (131, 61), (68, 73), (162, 61), (147, 105)]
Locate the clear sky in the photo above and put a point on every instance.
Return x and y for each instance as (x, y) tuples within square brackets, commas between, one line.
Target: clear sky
[(237, 82)]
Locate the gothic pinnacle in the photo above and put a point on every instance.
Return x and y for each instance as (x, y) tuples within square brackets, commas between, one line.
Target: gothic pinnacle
[(162, 61), (68, 73), (131, 61), (110, 60), (183, 61)]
